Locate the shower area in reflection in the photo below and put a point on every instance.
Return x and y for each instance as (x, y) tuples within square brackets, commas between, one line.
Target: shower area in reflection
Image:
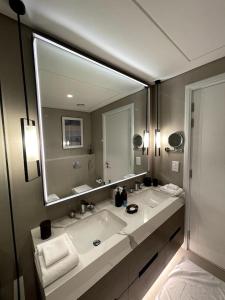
[(9, 282)]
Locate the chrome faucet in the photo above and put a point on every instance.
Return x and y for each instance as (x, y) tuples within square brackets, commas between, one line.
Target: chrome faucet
[(85, 206)]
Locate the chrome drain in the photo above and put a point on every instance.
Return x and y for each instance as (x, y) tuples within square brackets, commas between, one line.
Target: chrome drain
[(96, 243)]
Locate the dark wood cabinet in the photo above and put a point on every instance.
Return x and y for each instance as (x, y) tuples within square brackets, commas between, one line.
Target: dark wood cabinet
[(134, 275)]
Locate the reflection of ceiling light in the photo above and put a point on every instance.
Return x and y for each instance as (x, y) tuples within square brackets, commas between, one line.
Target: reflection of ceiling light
[(80, 104), (69, 96)]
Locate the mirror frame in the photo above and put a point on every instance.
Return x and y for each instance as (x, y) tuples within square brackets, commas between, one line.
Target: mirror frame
[(73, 50)]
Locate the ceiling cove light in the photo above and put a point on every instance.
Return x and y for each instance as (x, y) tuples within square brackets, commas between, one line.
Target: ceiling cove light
[(69, 96), (157, 130), (28, 127)]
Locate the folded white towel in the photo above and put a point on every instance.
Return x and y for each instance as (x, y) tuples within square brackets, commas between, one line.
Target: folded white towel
[(81, 189), (54, 250), (53, 197), (128, 176), (172, 189), (49, 274), (173, 186)]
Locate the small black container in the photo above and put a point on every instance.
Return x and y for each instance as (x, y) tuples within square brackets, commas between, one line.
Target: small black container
[(147, 181), (45, 229), (155, 182)]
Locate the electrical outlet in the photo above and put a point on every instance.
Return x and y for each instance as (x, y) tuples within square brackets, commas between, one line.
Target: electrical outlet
[(175, 166)]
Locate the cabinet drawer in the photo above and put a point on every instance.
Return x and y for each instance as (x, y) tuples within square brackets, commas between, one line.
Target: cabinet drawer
[(111, 286), (145, 280), (170, 228), (143, 253)]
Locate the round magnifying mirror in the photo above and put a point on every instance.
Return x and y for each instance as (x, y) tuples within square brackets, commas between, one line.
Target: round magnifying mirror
[(176, 140), (137, 141)]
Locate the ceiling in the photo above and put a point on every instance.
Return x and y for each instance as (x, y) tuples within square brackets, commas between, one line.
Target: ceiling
[(62, 73), (153, 39)]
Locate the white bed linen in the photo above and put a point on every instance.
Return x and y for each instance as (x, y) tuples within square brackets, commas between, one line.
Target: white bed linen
[(189, 282)]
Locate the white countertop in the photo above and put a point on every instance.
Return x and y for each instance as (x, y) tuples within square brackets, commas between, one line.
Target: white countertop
[(100, 260)]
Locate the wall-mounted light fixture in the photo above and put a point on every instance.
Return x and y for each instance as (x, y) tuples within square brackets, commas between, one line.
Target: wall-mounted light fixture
[(146, 135), (157, 130), (146, 139), (28, 127)]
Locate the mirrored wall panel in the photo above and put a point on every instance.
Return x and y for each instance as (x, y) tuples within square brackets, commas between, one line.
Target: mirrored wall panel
[(93, 122)]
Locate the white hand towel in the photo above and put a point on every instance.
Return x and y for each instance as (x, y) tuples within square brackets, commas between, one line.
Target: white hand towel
[(172, 190), (173, 186), (81, 189), (54, 250), (49, 274), (53, 197)]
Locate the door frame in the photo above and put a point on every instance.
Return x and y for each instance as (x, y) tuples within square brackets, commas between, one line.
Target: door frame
[(189, 89), (129, 107)]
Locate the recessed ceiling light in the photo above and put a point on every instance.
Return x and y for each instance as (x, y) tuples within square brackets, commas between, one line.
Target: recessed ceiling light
[(69, 96)]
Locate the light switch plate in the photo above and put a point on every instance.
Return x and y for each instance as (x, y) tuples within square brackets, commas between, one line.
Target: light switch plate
[(175, 166), (138, 160)]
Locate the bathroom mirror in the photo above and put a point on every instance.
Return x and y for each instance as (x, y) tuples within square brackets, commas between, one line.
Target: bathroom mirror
[(88, 116)]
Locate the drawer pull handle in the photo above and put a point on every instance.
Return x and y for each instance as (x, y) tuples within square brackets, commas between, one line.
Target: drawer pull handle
[(148, 264), (174, 234)]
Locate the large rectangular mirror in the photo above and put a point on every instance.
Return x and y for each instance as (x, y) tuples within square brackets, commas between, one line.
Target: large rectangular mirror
[(93, 122)]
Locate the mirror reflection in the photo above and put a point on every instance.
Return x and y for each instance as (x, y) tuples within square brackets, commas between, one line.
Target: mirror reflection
[(89, 117)]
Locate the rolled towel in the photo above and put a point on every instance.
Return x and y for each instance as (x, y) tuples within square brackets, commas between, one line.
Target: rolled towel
[(54, 250), (60, 267)]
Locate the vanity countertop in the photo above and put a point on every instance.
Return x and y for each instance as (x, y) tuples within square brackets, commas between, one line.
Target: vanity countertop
[(100, 260)]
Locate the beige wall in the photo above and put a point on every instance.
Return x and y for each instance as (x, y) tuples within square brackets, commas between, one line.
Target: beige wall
[(7, 262), (61, 159), (52, 127), (172, 99), (139, 100)]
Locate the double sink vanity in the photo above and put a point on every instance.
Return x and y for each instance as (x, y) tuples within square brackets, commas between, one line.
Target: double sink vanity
[(118, 251)]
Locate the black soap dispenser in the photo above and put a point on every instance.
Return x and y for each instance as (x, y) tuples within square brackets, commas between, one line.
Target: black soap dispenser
[(118, 198), (124, 196)]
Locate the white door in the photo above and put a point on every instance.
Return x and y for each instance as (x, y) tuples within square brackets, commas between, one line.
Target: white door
[(118, 156), (207, 186)]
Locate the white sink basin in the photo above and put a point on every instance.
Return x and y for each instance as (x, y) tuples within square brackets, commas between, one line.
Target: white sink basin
[(94, 229)]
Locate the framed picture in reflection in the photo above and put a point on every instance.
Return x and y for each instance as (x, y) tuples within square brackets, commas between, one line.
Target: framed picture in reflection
[(72, 130)]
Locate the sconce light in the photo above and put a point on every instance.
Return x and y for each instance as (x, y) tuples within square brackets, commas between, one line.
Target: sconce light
[(146, 139), (31, 145), (28, 127), (157, 130), (30, 149), (157, 141)]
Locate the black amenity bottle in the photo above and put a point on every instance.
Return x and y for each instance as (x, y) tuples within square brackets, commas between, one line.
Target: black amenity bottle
[(118, 198)]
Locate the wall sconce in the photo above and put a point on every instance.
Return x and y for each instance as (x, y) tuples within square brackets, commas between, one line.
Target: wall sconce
[(157, 141), (146, 139), (157, 130), (146, 135), (28, 128), (30, 149)]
